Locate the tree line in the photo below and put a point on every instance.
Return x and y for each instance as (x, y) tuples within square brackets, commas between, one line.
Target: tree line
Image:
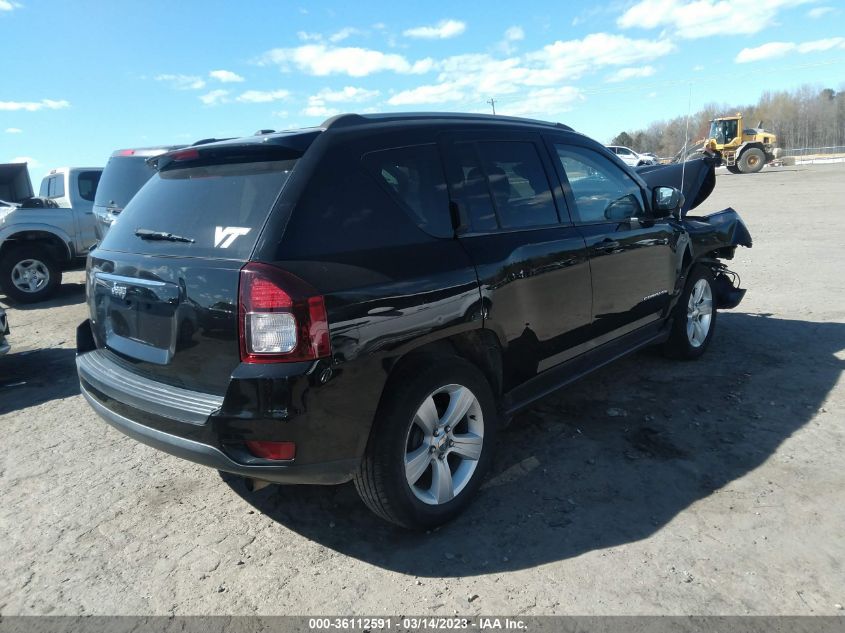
[(805, 117)]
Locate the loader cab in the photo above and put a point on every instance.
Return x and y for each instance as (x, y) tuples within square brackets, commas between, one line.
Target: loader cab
[(725, 130)]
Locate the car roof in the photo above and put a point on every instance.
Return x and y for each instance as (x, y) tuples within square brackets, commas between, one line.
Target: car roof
[(362, 121)]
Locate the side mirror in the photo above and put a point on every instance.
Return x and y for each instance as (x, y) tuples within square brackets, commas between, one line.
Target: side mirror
[(665, 201)]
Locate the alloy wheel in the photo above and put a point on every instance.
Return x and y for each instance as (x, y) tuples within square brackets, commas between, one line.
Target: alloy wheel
[(30, 275), (444, 444), (699, 313)]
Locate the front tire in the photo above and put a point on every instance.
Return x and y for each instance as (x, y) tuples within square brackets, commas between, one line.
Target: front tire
[(751, 161), (28, 274), (694, 322), (431, 443), (734, 169)]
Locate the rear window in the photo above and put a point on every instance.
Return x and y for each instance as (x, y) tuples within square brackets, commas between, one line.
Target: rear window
[(414, 177), (121, 179), (88, 181), (221, 207)]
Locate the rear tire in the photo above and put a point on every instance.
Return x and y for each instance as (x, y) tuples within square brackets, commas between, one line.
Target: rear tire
[(751, 161), (28, 274), (694, 321), (734, 169), (431, 443)]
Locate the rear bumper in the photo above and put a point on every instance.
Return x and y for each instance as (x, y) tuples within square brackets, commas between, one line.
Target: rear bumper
[(326, 473), (211, 430)]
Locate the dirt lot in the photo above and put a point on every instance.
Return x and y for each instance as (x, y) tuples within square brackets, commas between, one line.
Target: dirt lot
[(712, 487)]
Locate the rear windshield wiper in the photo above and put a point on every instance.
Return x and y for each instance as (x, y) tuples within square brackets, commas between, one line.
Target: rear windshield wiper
[(146, 234)]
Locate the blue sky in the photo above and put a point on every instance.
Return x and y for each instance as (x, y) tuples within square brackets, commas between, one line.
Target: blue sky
[(92, 77)]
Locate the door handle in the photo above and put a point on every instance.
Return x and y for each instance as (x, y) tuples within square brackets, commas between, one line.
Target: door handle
[(606, 245)]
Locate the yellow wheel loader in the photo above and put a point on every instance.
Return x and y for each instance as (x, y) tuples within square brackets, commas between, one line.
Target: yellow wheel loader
[(742, 150)]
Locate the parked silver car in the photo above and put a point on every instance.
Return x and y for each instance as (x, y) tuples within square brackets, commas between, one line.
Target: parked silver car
[(630, 157)]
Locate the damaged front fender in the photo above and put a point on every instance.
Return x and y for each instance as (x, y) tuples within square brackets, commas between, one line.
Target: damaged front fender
[(715, 237), (719, 233)]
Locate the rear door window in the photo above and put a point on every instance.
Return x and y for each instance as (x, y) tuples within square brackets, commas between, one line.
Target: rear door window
[(221, 207), (88, 181), (414, 177), (56, 187), (503, 185)]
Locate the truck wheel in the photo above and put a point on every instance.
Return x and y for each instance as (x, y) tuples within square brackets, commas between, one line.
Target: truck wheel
[(695, 317), (28, 274), (751, 161), (734, 169), (431, 443)]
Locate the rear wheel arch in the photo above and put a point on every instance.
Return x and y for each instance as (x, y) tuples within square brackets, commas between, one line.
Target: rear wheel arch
[(54, 245), (479, 346)]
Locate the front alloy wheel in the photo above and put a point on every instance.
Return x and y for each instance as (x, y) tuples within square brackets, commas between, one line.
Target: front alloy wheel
[(694, 317), (28, 273), (30, 276), (699, 312)]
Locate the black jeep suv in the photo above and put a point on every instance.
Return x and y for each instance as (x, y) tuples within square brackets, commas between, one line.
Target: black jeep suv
[(369, 299)]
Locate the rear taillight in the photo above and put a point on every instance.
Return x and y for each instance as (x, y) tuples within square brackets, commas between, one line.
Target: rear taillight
[(272, 450), (280, 317)]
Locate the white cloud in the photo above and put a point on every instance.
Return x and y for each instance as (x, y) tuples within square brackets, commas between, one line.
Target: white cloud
[(214, 97), (545, 102), (573, 58), (182, 82), (322, 60), (691, 19), (262, 96), (320, 110), (349, 94), (225, 76), (773, 50), (317, 104), (819, 12), (343, 34), (8, 5), (34, 106), (337, 36), (305, 36), (440, 31), (542, 75), (439, 93), (13, 130), (514, 34), (29, 160), (632, 72)]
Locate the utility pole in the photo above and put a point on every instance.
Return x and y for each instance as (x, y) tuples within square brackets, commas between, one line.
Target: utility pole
[(492, 103)]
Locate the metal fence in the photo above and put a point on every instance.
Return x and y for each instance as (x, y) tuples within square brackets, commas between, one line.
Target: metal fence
[(813, 155), (814, 151)]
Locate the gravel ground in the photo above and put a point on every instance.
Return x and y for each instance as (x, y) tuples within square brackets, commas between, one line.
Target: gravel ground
[(651, 487)]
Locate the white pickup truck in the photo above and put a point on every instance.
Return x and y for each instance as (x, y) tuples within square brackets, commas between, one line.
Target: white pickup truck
[(40, 237)]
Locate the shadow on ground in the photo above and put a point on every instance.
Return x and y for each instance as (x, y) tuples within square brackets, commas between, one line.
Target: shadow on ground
[(605, 462), (33, 377), (67, 294)]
